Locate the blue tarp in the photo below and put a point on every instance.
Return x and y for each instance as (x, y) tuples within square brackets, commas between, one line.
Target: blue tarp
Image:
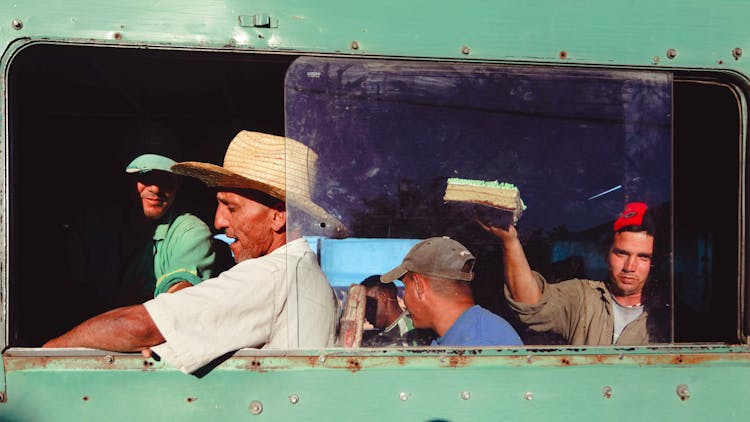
[(349, 261)]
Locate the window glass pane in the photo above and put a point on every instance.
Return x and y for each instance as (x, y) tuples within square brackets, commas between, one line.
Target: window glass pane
[(579, 144)]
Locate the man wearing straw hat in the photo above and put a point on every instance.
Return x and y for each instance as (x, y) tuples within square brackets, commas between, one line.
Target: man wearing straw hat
[(276, 296)]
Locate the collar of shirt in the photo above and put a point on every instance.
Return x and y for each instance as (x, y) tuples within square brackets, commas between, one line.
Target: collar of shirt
[(161, 230), (395, 322), (462, 323)]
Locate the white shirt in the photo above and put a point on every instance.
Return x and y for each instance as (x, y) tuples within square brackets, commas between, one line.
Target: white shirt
[(278, 301), (623, 315)]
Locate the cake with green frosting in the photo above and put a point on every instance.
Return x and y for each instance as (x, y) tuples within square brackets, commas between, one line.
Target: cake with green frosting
[(504, 196)]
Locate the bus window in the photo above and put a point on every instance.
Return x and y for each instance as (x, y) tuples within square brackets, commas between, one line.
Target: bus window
[(577, 143)]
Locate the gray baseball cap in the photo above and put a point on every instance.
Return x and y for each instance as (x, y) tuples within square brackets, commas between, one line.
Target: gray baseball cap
[(440, 257)]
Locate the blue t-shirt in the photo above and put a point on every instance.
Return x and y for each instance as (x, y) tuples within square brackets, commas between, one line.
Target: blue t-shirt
[(479, 327)]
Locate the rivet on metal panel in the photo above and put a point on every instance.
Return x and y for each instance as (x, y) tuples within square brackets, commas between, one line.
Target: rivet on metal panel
[(607, 392), (621, 356), (322, 358), (528, 359), (671, 53), (109, 359), (465, 395), (403, 396), (443, 359), (354, 45), (682, 392), (16, 24), (256, 407), (563, 54), (655, 59), (465, 49), (737, 53), (293, 399), (2, 397), (529, 395)]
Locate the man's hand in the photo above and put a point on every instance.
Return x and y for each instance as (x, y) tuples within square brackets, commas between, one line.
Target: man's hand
[(179, 286), (506, 234)]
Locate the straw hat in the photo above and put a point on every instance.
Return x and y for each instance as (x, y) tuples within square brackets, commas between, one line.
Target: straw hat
[(281, 167)]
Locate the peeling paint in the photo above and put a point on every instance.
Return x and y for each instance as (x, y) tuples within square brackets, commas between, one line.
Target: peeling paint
[(356, 360)]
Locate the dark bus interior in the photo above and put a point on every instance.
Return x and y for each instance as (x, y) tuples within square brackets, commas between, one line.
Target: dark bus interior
[(71, 108)]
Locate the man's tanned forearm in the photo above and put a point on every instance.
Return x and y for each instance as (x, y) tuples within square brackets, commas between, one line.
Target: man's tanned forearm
[(521, 280), (127, 329)]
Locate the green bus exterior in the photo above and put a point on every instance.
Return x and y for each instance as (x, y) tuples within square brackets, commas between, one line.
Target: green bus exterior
[(681, 381)]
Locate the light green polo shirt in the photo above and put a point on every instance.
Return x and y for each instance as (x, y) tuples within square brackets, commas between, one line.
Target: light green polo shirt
[(182, 250), (179, 248)]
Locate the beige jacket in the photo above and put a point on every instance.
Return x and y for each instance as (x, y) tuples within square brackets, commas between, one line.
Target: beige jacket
[(581, 312)]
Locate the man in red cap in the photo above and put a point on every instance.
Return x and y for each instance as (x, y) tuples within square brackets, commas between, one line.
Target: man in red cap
[(589, 312)]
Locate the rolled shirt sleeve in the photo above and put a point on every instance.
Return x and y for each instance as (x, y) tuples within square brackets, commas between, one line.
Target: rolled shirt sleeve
[(552, 313), (578, 310)]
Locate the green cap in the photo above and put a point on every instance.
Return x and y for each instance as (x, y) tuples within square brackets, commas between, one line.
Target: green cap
[(147, 162)]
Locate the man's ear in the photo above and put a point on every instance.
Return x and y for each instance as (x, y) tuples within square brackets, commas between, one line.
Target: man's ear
[(278, 220), (419, 285)]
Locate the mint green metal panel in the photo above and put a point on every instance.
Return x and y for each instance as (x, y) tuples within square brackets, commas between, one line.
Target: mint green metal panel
[(393, 386), (702, 34)]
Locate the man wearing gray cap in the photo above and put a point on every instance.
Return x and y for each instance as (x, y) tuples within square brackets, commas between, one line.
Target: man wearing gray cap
[(436, 274)]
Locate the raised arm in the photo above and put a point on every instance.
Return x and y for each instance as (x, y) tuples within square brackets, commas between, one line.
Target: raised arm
[(126, 329), (521, 281)]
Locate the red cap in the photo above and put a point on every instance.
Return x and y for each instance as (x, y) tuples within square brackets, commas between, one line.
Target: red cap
[(631, 216)]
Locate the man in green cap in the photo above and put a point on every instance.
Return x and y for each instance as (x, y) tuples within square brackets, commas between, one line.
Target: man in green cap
[(136, 250)]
